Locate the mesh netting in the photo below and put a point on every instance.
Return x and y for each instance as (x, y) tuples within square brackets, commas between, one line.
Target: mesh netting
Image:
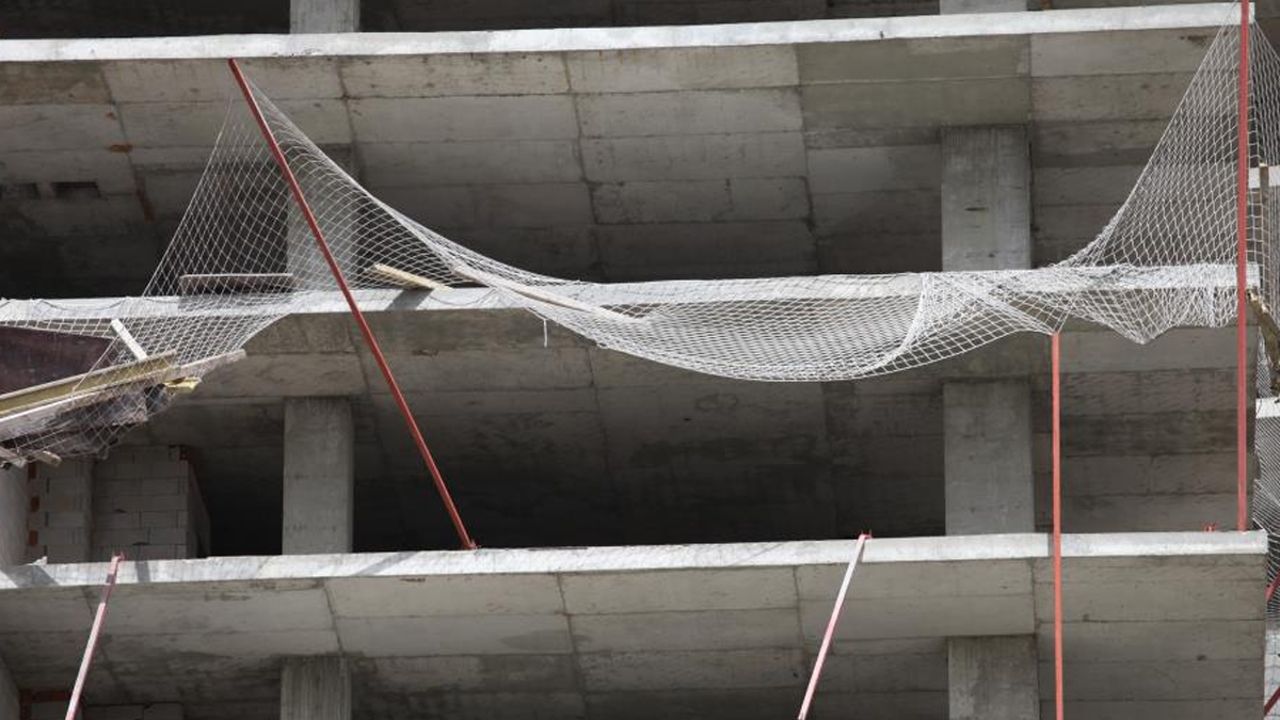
[(243, 257)]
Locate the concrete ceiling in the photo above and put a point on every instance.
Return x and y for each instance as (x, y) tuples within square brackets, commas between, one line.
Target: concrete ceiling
[(615, 154), (1157, 625)]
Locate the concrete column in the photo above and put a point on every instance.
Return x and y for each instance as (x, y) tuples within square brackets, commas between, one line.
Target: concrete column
[(315, 688), (303, 258), (958, 7), (993, 678), (324, 16), (986, 225), (986, 198), (989, 483), (319, 475)]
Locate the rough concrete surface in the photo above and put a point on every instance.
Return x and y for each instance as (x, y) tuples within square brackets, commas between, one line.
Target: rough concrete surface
[(608, 153), (675, 631)]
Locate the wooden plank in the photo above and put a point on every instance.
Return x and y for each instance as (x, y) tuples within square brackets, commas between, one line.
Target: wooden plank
[(42, 417), (235, 283), (85, 382), (539, 294), (126, 337), (402, 278)]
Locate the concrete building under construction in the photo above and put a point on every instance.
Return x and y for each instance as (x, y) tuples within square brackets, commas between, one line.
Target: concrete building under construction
[(655, 542)]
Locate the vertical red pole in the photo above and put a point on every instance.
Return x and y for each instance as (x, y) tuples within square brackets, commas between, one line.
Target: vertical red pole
[(1056, 352), (831, 628), (99, 619), (369, 339), (1242, 231)]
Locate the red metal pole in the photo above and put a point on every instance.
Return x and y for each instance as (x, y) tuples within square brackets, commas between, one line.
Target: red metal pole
[(369, 339), (99, 619), (1056, 345), (1242, 230), (1271, 702), (831, 627)]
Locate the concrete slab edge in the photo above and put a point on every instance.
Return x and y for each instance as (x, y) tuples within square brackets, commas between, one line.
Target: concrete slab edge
[(1203, 15), (974, 548)]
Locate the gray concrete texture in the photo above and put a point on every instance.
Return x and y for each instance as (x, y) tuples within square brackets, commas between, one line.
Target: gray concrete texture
[(568, 444), (82, 18), (319, 475), (613, 154), (1157, 626)]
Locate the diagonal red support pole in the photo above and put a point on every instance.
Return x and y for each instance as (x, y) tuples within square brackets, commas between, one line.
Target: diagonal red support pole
[(1242, 231), (365, 330), (99, 619), (1056, 351), (831, 626)]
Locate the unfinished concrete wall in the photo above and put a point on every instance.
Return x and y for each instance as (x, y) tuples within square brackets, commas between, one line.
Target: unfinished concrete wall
[(1148, 433), (60, 519), (147, 502)]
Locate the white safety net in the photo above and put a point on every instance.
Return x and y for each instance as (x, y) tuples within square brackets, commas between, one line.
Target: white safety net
[(243, 257)]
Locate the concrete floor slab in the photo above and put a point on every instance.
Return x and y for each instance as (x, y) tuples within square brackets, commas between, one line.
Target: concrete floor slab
[(697, 630)]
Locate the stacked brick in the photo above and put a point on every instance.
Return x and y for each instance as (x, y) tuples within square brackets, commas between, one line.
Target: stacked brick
[(146, 502), (59, 516)]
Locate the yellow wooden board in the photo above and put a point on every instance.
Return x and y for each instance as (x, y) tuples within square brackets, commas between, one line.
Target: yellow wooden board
[(127, 373)]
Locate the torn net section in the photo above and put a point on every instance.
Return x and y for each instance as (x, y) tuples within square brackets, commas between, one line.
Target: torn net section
[(243, 257)]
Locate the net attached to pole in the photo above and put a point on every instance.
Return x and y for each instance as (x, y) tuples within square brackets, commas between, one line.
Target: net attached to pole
[(243, 257)]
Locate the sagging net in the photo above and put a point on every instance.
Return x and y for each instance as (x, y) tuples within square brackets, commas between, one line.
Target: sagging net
[(243, 257)]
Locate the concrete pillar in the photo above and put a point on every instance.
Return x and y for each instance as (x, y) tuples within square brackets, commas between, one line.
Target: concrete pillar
[(315, 688), (324, 16), (303, 257), (986, 198), (319, 475), (959, 7), (993, 678), (986, 225), (989, 484)]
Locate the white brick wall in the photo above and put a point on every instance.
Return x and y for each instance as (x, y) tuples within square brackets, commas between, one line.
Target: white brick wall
[(59, 518), (146, 502)]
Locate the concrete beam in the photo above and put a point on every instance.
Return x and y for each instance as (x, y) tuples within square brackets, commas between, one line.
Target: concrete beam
[(319, 475), (324, 16), (1162, 17), (315, 688)]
